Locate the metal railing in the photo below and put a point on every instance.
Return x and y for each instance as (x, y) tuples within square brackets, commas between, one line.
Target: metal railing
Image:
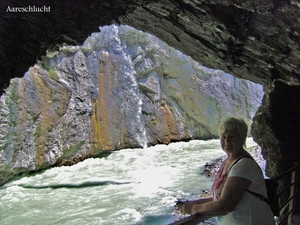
[(287, 194)]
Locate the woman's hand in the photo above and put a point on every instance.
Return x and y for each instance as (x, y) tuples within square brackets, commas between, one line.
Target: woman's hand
[(185, 207)]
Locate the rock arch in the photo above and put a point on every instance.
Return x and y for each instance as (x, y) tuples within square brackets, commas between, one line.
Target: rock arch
[(255, 40)]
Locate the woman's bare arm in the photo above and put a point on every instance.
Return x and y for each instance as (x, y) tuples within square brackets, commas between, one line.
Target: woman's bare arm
[(186, 206), (232, 193)]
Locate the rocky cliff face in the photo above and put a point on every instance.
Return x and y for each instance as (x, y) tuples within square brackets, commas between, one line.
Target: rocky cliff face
[(122, 88)]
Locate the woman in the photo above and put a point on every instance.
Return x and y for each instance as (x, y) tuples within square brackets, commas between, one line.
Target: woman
[(231, 203)]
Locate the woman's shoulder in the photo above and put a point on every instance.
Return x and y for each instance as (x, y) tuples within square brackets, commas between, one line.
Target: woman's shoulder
[(245, 166), (247, 161)]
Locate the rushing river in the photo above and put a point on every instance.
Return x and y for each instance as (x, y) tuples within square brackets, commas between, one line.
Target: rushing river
[(129, 187)]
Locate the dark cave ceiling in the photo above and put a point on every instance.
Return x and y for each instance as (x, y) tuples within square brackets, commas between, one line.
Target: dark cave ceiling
[(256, 40)]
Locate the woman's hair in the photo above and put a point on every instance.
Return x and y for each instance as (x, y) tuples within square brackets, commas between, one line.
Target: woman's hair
[(232, 123)]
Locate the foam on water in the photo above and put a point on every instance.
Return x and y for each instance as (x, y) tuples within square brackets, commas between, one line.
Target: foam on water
[(131, 186)]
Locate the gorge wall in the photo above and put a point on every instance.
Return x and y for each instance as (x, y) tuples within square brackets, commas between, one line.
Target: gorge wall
[(121, 89)]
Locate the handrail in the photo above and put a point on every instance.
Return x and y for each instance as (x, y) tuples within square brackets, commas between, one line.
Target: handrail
[(287, 207), (278, 177), (191, 220)]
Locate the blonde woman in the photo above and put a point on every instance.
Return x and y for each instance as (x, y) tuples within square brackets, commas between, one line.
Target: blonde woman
[(232, 203)]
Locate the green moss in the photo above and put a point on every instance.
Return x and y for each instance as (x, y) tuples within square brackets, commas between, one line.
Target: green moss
[(67, 153), (53, 74), (104, 153), (50, 71), (154, 122), (40, 130), (45, 66)]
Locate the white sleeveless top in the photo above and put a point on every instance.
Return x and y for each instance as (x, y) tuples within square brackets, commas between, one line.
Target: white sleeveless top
[(251, 210)]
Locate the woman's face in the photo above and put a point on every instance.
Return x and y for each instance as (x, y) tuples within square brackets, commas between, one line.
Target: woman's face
[(231, 141)]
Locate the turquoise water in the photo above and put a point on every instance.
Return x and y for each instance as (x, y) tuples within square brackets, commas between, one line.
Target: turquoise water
[(129, 187)]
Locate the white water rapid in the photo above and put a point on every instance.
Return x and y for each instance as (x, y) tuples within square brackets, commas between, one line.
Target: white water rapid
[(129, 187)]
